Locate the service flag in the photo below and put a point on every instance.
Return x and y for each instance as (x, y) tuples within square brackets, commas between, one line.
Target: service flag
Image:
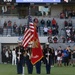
[(37, 52), (32, 36)]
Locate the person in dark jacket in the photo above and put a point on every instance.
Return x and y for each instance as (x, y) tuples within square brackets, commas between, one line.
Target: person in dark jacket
[(48, 58), (3, 55), (20, 57), (48, 22), (66, 57), (42, 23)]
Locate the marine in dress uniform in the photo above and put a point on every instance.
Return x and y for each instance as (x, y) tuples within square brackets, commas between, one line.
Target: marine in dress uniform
[(28, 60), (48, 54), (20, 57)]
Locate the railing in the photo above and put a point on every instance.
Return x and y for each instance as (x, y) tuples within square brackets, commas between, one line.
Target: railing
[(10, 32), (9, 14)]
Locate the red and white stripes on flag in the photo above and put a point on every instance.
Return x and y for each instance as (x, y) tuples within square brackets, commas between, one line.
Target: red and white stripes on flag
[(28, 35)]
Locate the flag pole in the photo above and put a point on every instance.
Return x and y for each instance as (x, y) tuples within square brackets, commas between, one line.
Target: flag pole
[(23, 71), (29, 13)]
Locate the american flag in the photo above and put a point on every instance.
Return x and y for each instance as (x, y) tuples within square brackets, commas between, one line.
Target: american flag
[(28, 35)]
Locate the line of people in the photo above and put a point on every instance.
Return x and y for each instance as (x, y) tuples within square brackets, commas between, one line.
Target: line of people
[(24, 56), (59, 56)]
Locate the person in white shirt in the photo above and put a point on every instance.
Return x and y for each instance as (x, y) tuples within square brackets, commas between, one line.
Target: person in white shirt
[(45, 30), (13, 57), (68, 32)]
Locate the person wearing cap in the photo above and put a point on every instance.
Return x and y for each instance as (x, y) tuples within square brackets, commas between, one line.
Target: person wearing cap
[(47, 56), (19, 57)]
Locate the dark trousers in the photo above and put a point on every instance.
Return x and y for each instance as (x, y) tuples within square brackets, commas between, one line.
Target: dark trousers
[(66, 61), (38, 67), (29, 67), (20, 66), (48, 68), (55, 59)]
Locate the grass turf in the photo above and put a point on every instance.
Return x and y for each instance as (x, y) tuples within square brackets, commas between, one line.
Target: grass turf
[(8, 69)]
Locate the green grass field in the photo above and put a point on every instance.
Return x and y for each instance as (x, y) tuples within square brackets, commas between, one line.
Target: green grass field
[(8, 69)]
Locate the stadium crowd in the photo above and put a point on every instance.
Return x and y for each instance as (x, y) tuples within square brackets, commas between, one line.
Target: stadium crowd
[(48, 28)]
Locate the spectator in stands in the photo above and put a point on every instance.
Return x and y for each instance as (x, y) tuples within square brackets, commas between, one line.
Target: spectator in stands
[(65, 24), (63, 39), (57, 31), (35, 20), (55, 39), (5, 24), (17, 31), (14, 27), (54, 31), (42, 22), (20, 30), (62, 15), (48, 22), (45, 30), (57, 26), (53, 22), (68, 32), (69, 40), (9, 24), (24, 26), (36, 23), (36, 26), (50, 31), (50, 39)]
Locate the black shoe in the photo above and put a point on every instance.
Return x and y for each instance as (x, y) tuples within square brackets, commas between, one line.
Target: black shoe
[(48, 73), (19, 73)]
